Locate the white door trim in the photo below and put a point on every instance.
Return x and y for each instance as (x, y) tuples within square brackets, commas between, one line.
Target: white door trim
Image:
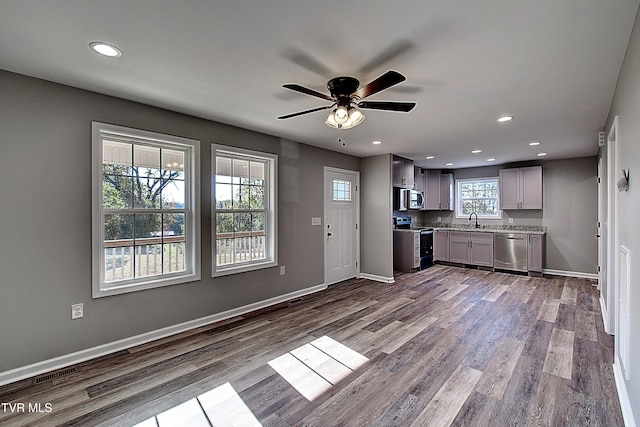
[(612, 229), (356, 174)]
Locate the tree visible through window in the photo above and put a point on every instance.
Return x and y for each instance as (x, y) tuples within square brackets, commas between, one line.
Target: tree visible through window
[(145, 212), (244, 206), (477, 195)]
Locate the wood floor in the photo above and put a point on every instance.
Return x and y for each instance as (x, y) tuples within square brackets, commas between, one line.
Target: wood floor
[(444, 346)]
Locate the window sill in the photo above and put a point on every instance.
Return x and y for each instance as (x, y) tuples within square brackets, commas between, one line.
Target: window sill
[(140, 286), (226, 271)]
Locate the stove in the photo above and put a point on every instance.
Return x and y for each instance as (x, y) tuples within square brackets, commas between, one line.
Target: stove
[(421, 254)]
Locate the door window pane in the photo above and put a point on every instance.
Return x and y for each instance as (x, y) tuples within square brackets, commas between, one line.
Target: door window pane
[(341, 190)]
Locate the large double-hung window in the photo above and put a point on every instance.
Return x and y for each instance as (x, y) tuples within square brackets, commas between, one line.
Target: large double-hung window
[(145, 210), (244, 210)]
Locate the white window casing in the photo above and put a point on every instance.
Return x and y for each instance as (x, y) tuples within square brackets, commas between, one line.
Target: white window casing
[(145, 210), (479, 195), (244, 210)]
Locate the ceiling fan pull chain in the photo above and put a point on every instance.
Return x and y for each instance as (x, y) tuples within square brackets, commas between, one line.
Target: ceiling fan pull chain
[(341, 139)]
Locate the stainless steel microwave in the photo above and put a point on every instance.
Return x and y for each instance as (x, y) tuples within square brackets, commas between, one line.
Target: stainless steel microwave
[(410, 199)]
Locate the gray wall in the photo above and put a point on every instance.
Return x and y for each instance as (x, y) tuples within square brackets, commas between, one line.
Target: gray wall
[(376, 236), (570, 211), (626, 105), (45, 223)]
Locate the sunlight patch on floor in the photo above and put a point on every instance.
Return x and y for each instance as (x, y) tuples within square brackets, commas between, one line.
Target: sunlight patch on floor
[(221, 407), (314, 368)]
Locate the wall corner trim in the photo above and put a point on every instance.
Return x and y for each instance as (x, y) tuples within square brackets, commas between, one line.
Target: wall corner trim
[(66, 360), (376, 278)]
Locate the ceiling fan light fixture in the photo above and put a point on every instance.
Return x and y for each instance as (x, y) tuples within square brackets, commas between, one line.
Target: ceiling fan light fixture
[(341, 114), (355, 116), (331, 120)]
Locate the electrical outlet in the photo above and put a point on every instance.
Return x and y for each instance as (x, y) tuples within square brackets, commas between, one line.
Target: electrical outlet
[(282, 270), (510, 220), (77, 311), (439, 219)]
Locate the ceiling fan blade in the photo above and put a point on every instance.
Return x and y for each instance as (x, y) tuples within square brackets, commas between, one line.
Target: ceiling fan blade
[(307, 91), (313, 110), (404, 107), (385, 81), (392, 52), (308, 62)]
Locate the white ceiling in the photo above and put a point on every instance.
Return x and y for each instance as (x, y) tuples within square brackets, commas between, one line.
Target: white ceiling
[(553, 64)]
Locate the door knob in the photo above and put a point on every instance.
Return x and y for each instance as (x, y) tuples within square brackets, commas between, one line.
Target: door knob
[(329, 234)]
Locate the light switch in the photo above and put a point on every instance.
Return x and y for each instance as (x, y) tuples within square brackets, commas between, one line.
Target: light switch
[(316, 220)]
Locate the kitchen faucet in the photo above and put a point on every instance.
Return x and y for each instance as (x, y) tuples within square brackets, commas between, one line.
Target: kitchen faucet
[(473, 213)]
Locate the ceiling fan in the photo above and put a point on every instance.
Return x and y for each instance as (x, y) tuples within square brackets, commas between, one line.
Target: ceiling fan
[(347, 98)]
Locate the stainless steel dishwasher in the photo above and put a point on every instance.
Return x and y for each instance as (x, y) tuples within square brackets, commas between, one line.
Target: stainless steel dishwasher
[(510, 251)]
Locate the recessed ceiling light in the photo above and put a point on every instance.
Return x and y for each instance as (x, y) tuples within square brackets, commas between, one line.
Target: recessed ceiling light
[(476, 151), (505, 119), (429, 157), (491, 160), (376, 142), (448, 164), (534, 143), (541, 154), (105, 49)]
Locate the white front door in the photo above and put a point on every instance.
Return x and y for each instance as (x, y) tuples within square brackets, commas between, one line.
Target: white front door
[(341, 218)]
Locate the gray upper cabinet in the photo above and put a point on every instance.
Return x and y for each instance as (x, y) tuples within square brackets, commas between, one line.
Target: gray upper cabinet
[(521, 188), (432, 189), (419, 179), (446, 192), (402, 172), (438, 190)]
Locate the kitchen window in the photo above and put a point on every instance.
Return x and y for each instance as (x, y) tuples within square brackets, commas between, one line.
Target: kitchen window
[(145, 210), (244, 210), (479, 195)]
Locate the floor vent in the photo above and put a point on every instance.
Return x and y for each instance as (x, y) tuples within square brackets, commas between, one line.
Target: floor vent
[(54, 375)]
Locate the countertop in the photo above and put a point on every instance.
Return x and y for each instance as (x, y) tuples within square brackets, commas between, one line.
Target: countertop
[(518, 229)]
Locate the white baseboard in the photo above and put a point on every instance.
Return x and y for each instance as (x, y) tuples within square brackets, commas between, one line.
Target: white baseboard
[(593, 276), (66, 360), (623, 396), (377, 278), (605, 315)]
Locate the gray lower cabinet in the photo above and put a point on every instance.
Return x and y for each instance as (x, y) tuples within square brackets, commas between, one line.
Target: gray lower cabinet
[(535, 252), (481, 249), (469, 247), (441, 245), (459, 247)]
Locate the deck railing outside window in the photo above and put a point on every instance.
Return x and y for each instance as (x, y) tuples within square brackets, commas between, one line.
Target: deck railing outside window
[(239, 247), (154, 256)]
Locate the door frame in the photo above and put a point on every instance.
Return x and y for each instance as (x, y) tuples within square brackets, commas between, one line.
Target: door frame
[(612, 229), (356, 200)]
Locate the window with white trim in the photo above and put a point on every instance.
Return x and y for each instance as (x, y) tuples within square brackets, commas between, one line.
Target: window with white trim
[(145, 210), (479, 195), (244, 210)]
